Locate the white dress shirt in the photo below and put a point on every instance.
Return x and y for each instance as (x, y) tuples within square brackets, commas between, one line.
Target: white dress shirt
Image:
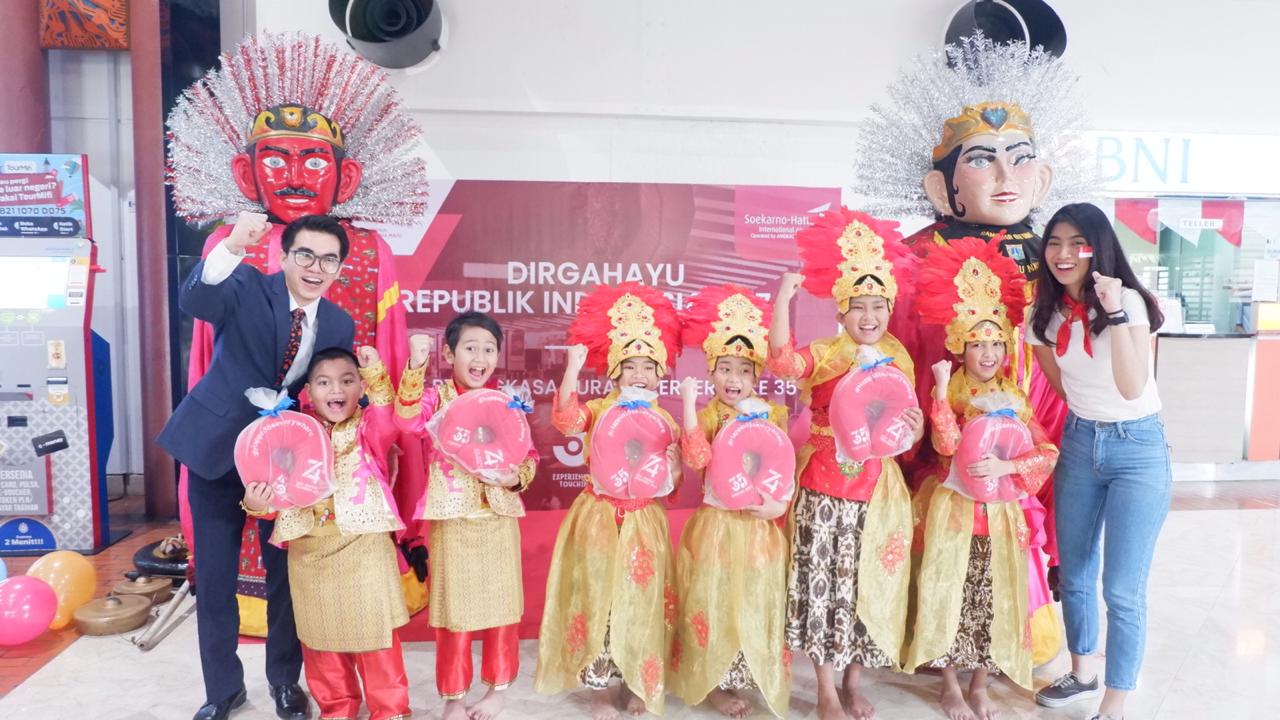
[(219, 265)]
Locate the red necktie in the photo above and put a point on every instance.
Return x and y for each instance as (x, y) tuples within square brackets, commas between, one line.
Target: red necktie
[(1075, 311), (295, 339)]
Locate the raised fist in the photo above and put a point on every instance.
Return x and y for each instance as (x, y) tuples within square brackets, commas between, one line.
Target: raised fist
[(368, 356), (419, 350), (689, 390), (249, 229), (791, 282), (942, 372), (577, 358)]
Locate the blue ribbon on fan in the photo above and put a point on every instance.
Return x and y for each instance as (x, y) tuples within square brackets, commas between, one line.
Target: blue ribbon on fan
[(876, 364), (748, 417), (517, 404), (635, 404), (285, 403), (1003, 412)]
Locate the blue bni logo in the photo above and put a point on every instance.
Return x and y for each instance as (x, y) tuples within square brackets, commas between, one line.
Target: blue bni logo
[(25, 534)]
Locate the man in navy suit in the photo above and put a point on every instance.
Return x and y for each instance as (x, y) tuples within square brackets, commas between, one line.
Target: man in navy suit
[(265, 330)]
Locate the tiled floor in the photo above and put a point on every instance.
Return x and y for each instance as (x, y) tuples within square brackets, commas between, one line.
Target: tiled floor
[(18, 663), (1213, 646)]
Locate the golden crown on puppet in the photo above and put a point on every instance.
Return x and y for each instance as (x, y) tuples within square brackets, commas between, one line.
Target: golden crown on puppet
[(295, 121), (616, 322), (970, 287), (848, 254), (720, 317), (981, 119)]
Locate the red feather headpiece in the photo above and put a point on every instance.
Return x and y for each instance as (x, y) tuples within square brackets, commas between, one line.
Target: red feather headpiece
[(720, 317), (848, 254), (972, 289), (617, 322)]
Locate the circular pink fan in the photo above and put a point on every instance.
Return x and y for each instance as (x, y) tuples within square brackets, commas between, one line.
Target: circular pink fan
[(629, 453), (290, 452), (750, 459), (866, 413), (1000, 434), (483, 430)]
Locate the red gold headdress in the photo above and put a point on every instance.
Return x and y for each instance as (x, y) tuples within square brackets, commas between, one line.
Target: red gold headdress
[(617, 322), (974, 120), (721, 317), (274, 84), (974, 290), (849, 254)]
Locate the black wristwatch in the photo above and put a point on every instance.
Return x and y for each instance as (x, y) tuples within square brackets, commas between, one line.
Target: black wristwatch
[(1119, 317)]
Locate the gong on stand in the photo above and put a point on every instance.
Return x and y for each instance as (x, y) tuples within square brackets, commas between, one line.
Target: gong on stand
[(112, 615)]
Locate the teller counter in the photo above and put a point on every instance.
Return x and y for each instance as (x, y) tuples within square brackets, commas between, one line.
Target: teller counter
[(1221, 395)]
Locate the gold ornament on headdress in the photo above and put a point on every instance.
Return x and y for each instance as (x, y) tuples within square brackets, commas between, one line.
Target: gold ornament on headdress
[(294, 121), (980, 314), (865, 271), (981, 119), (634, 334), (738, 318)]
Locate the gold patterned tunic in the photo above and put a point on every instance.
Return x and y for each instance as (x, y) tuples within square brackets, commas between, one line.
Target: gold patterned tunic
[(476, 575), (343, 572)]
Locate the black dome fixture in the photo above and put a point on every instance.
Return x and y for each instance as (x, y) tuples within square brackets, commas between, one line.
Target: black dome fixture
[(1030, 21), (390, 33)]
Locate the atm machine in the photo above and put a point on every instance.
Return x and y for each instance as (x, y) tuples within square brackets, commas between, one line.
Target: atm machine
[(52, 496)]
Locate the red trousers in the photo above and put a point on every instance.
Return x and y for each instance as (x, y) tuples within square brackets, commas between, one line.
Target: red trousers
[(499, 659), (332, 679)]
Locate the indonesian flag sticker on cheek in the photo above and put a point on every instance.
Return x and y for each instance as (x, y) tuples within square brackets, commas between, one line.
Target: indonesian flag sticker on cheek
[(629, 449), (287, 450), (484, 431), (750, 457)]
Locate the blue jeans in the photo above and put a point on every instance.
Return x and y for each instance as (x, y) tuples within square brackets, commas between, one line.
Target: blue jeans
[(1117, 475)]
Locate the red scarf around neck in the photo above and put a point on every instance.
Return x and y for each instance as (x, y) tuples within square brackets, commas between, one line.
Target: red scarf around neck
[(1075, 311)]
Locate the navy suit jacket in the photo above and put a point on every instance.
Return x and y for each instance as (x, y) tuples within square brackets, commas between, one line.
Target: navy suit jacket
[(249, 312)]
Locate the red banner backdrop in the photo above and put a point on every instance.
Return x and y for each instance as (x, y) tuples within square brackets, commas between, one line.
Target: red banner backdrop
[(524, 252)]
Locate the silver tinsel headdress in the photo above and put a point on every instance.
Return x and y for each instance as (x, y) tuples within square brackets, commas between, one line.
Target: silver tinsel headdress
[(211, 122), (894, 147)]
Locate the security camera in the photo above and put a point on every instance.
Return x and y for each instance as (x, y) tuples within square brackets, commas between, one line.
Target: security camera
[(390, 33), (1028, 21)]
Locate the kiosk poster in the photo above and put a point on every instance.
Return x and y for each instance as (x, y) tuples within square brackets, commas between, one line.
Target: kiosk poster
[(24, 488), (43, 195)]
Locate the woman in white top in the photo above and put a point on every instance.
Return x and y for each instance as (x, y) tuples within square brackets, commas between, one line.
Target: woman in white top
[(1092, 326)]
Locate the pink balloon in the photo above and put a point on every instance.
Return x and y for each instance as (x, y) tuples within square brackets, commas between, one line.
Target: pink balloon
[(1004, 437), (27, 606), (867, 409), (749, 460)]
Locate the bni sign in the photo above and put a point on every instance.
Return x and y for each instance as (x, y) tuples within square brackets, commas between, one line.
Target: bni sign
[(1187, 164)]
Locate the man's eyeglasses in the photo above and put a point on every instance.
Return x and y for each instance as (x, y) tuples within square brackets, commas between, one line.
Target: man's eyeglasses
[(305, 258)]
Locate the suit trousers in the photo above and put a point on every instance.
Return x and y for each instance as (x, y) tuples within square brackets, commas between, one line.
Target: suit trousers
[(218, 521)]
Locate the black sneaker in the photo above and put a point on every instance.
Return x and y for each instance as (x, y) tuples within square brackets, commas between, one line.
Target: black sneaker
[(1066, 690)]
